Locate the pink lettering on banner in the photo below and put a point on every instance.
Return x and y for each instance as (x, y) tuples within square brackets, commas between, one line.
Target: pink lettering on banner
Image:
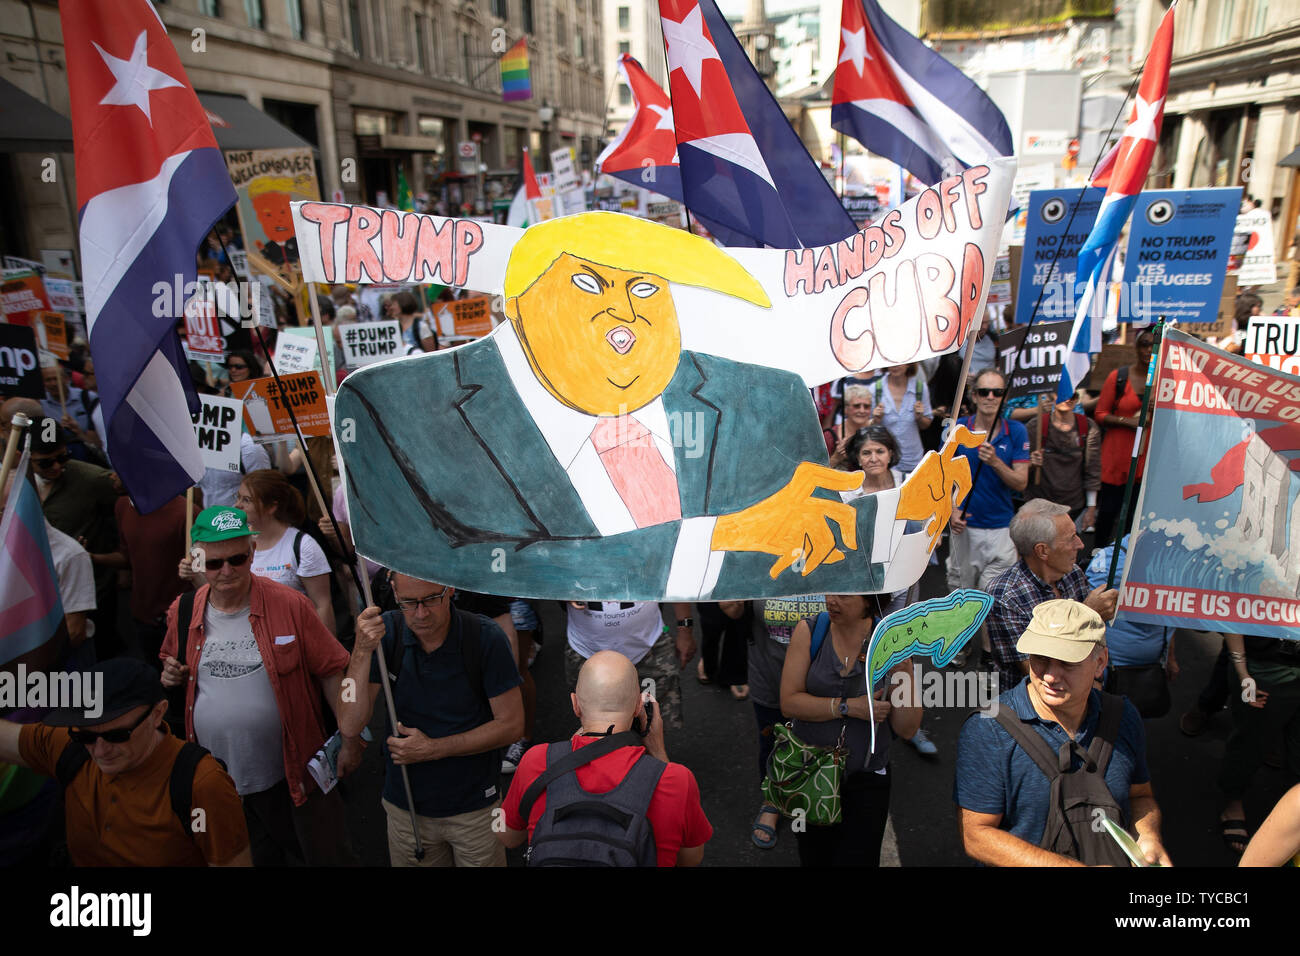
[(469, 239), (1221, 606), (326, 216), (362, 227), (397, 237)]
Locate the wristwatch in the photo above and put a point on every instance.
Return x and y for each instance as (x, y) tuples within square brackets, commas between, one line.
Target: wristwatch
[(844, 706), (686, 622)]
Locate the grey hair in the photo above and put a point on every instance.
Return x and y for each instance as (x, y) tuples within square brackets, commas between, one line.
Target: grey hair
[(1035, 524), (853, 391)]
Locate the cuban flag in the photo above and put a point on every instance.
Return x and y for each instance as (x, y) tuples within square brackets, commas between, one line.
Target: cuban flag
[(150, 185), (30, 609), (745, 173), (903, 101), (644, 153), (1127, 173)]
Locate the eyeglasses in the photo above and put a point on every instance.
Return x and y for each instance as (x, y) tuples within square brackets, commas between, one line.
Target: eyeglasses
[(990, 392), (429, 600), (235, 561), (59, 459), (232, 366), (118, 735)]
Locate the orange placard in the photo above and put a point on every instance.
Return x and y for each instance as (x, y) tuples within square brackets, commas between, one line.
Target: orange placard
[(22, 297), (56, 333), (472, 316), (266, 413)]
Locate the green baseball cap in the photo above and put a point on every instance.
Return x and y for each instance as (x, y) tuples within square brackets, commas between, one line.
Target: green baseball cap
[(220, 523)]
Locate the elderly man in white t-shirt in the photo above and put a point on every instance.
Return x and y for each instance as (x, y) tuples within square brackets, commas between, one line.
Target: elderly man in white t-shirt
[(635, 629)]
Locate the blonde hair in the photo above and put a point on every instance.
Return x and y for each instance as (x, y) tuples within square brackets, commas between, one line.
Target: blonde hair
[(635, 245), (278, 184)]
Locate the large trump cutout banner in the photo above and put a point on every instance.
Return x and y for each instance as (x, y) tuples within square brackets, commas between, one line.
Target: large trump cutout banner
[(641, 427)]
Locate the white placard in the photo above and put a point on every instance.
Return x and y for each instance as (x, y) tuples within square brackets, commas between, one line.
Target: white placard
[(217, 426), (367, 342)]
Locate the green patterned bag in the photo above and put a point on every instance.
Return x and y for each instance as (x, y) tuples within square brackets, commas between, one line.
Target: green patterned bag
[(803, 777)]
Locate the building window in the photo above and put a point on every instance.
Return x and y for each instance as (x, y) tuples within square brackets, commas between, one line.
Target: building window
[(500, 8), (256, 16), (624, 46), (354, 24), (421, 32), (578, 46), (527, 8), (293, 11), (1227, 19), (561, 30), (624, 18), (1259, 22), (376, 33), (624, 95), (210, 8), (431, 126), (372, 123)]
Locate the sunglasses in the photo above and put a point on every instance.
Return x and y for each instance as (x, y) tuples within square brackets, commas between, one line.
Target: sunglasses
[(118, 735), (232, 366), (46, 462), (990, 392), (235, 561), (430, 601)]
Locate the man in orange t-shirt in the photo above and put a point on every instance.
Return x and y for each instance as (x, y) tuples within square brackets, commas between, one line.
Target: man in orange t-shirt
[(118, 807)]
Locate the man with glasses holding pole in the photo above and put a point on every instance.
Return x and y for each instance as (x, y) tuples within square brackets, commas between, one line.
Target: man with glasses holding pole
[(255, 663), (454, 686)]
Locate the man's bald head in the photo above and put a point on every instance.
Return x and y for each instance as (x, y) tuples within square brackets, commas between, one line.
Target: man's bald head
[(607, 690), (16, 405)]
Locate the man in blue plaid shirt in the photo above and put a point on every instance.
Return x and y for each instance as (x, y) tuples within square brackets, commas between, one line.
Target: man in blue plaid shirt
[(1047, 543)]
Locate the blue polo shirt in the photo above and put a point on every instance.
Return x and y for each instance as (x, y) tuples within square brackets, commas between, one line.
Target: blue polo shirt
[(990, 503), (995, 776), (433, 694)]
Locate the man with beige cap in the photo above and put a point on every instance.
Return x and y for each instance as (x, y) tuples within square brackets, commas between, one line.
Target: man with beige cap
[(1010, 792)]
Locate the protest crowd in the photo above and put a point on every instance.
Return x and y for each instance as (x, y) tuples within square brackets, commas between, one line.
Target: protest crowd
[(241, 662)]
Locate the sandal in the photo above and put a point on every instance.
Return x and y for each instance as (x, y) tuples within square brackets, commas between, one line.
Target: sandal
[(740, 691), (1235, 835), (770, 841)]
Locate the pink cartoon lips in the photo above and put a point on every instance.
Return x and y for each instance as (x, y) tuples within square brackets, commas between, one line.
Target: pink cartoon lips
[(621, 339)]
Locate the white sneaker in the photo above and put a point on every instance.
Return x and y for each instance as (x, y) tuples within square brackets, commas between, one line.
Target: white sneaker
[(514, 754), (923, 744)]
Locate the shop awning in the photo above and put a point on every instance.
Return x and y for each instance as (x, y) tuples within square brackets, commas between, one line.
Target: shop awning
[(238, 124), (29, 126), (1292, 158)]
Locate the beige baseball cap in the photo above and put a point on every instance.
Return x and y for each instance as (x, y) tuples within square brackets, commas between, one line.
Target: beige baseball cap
[(1064, 631)]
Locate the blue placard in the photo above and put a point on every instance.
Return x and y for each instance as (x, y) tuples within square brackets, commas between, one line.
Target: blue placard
[(1178, 246), (1049, 213)]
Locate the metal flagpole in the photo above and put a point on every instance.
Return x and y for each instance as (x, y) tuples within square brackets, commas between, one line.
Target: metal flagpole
[(1137, 451)]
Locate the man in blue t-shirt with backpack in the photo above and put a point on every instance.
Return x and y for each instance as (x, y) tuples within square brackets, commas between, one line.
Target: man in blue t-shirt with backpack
[(455, 690)]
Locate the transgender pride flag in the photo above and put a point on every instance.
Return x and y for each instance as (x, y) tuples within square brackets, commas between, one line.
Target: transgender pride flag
[(30, 609)]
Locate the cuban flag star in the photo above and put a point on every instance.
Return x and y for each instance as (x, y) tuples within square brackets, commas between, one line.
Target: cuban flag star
[(151, 183), (644, 153), (903, 101), (1128, 171)]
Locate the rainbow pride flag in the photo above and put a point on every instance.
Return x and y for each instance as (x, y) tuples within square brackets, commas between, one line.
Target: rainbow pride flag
[(515, 82), (30, 609)]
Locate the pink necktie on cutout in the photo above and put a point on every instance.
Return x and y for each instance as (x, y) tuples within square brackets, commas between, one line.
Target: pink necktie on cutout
[(636, 467)]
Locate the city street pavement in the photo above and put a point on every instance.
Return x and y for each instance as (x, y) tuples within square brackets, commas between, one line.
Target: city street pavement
[(719, 744)]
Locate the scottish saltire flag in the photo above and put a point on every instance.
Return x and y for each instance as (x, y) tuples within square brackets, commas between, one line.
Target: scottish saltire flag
[(30, 609), (745, 173), (644, 153), (150, 185), (515, 81), (1127, 173), (903, 101)]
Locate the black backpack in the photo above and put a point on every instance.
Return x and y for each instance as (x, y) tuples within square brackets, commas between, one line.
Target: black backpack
[(181, 785), (578, 828), (1079, 797)]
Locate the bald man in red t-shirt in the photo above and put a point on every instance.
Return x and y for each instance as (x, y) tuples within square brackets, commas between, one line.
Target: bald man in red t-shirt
[(608, 700)]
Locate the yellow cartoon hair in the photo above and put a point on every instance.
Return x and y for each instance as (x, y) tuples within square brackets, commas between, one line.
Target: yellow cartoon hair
[(276, 184), (636, 245)]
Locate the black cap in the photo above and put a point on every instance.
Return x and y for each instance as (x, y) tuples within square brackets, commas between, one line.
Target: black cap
[(116, 687)]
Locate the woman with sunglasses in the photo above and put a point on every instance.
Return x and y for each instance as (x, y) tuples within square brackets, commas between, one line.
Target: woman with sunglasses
[(240, 367), (285, 552)]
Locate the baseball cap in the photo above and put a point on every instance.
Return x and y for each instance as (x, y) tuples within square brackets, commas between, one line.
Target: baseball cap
[(1064, 631), (220, 523), (119, 685)]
